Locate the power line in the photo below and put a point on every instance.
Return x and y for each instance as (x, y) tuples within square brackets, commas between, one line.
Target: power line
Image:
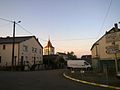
[(25, 29), (20, 27), (17, 24), (29, 31), (6, 20), (74, 39), (44, 39), (13, 42), (106, 15)]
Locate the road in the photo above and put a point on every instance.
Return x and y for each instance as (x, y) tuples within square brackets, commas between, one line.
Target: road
[(40, 80)]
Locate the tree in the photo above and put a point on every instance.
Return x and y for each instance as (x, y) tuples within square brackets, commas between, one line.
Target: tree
[(71, 55)]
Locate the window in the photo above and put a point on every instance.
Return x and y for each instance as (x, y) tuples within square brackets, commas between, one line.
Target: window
[(85, 63), (4, 47), (34, 50), (25, 48), (40, 51)]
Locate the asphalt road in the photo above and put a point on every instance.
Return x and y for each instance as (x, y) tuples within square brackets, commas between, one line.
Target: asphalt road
[(40, 80)]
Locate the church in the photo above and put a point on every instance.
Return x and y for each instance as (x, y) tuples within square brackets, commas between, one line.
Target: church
[(49, 49), (50, 59)]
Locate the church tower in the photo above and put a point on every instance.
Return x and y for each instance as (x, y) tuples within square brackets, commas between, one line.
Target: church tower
[(49, 49)]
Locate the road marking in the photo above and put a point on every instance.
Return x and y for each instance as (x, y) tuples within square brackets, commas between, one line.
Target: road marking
[(86, 82)]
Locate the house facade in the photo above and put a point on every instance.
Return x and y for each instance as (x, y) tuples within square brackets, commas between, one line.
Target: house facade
[(106, 51), (27, 50)]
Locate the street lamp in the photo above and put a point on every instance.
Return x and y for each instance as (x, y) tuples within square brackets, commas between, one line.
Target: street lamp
[(13, 44)]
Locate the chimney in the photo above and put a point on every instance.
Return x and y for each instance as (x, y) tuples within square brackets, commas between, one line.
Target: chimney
[(116, 26), (37, 39)]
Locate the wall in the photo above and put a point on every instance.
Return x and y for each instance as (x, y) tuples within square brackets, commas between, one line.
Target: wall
[(34, 51), (100, 55), (6, 55)]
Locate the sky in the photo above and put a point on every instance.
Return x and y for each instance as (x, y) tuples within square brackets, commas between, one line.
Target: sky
[(71, 25)]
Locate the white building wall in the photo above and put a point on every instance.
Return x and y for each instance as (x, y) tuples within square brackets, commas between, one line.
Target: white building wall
[(29, 55), (6, 54), (101, 50), (34, 51)]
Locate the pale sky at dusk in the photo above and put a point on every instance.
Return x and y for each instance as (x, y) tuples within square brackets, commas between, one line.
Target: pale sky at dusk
[(73, 25)]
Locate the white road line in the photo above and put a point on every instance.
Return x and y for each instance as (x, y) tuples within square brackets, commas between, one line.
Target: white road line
[(86, 82)]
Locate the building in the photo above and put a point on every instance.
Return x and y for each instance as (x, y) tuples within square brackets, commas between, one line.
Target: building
[(87, 58), (28, 50), (53, 61), (106, 51), (63, 55), (49, 49)]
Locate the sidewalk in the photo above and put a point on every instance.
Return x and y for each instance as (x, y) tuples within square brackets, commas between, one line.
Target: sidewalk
[(93, 77)]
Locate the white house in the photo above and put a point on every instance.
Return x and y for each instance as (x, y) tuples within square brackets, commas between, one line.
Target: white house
[(106, 51), (28, 50)]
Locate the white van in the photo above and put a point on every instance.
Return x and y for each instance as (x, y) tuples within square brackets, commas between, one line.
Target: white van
[(82, 64)]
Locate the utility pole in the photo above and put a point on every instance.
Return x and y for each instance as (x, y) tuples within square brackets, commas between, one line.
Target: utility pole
[(13, 42), (13, 45)]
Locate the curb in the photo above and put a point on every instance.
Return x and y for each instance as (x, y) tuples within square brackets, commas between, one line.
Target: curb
[(90, 83)]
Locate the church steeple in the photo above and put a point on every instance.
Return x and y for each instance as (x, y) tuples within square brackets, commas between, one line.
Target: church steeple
[(48, 49), (49, 44)]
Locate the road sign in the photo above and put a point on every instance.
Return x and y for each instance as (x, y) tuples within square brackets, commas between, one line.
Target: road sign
[(112, 49)]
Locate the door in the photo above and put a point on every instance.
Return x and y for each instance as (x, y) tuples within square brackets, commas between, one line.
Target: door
[(22, 58)]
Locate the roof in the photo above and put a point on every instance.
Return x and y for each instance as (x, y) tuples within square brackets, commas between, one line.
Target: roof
[(60, 53), (9, 40), (107, 32), (86, 56), (49, 44), (113, 30)]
